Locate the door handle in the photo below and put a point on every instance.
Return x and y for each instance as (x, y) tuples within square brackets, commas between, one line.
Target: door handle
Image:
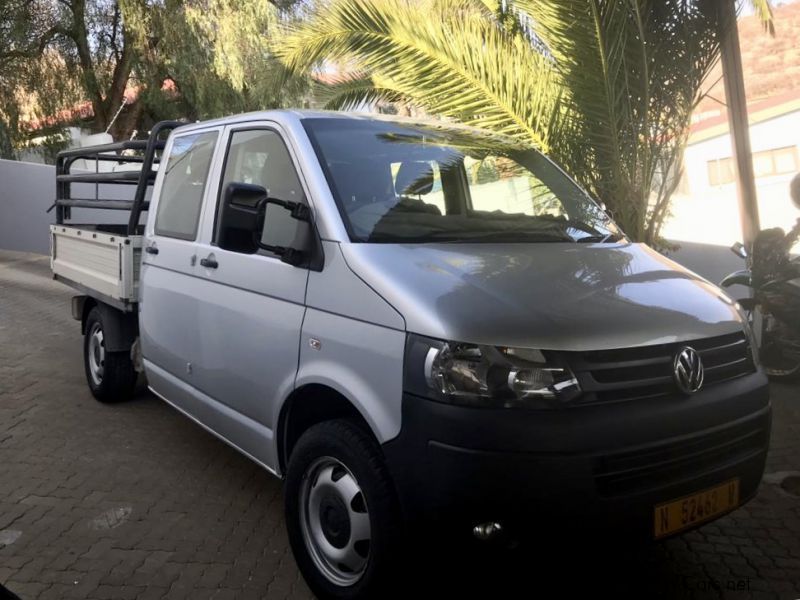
[(151, 250), (209, 263)]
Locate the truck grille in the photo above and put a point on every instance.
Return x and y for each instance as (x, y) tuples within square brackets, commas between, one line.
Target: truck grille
[(656, 466), (646, 372)]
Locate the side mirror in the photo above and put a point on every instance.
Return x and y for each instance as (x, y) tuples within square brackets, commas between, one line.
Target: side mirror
[(794, 190), (239, 217), (243, 215), (274, 232)]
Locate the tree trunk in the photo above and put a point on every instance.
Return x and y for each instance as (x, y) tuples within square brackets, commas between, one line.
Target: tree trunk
[(80, 36)]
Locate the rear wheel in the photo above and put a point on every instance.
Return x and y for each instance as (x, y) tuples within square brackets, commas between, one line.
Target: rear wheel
[(110, 375), (342, 515)]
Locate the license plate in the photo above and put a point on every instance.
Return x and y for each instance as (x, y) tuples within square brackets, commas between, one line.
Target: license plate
[(682, 513)]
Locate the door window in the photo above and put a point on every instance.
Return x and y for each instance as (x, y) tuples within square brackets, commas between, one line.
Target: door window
[(260, 157), (184, 183)]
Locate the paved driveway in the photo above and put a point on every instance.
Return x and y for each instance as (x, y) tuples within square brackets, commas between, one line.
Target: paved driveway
[(135, 501)]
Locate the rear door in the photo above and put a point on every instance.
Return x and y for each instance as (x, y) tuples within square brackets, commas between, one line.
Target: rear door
[(250, 306), (170, 283)]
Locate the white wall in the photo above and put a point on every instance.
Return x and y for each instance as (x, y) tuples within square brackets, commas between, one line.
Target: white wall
[(26, 192)]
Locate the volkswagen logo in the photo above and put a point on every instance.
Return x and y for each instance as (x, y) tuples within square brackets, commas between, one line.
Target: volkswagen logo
[(688, 370)]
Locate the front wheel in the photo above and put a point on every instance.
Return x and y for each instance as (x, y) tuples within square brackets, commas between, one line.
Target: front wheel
[(342, 513), (110, 375)]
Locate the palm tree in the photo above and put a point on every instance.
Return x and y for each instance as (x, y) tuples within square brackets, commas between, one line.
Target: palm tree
[(605, 87)]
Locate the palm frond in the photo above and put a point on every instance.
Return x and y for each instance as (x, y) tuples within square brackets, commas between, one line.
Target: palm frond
[(763, 9), (446, 56), (355, 92), (631, 71)]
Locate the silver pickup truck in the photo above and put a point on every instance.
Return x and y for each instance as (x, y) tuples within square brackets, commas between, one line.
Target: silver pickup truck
[(416, 325)]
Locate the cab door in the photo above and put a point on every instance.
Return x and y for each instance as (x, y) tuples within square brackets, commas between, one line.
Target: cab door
[(169, 283), (250, 306)]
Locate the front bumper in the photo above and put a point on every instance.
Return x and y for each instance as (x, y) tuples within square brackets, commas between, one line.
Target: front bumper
[(585, 468)]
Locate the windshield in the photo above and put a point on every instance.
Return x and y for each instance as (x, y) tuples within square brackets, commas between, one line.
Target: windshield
[(412, 183)]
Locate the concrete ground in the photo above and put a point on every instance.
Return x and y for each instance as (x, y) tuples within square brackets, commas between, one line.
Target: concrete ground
[(135, 501)]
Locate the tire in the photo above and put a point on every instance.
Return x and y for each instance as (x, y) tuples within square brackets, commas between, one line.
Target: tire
[(336, 464), (110, 375), (785, 374)]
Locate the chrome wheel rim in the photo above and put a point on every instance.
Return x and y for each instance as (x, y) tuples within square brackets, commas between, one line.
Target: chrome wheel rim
[(335, 521), (96, 353)]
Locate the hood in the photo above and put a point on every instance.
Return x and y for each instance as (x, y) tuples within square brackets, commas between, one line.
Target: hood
[(547, 296)]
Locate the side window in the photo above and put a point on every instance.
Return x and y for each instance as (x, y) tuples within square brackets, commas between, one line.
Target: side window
[(260, 157), (184, 182)]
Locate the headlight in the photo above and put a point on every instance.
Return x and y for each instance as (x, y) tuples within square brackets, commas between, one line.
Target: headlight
[(486, 376)]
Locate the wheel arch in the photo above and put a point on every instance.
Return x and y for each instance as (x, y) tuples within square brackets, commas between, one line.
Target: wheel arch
[(309, 405), (86, 304)]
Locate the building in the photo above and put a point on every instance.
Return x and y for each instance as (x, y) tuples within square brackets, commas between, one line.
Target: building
[(705, 206)]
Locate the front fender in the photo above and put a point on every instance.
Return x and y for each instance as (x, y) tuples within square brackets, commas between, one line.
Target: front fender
[(361, 361), (743, 277)]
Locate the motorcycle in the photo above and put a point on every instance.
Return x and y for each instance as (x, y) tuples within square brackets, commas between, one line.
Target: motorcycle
[(773, 277)]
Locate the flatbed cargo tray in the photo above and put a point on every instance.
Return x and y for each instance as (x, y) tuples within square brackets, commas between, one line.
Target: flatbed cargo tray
[(100, 261)]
